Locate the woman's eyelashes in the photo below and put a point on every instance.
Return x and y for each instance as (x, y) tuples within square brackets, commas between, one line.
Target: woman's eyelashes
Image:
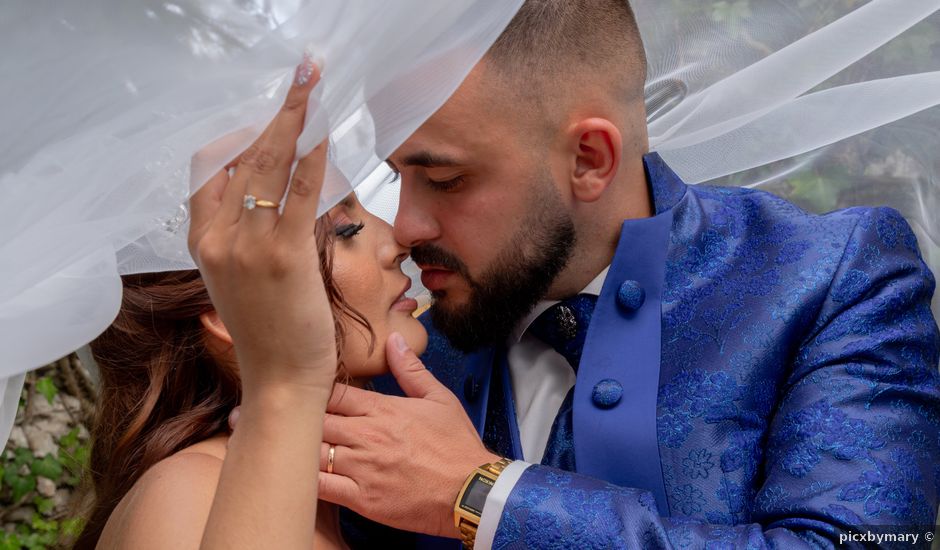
[(349, 230)]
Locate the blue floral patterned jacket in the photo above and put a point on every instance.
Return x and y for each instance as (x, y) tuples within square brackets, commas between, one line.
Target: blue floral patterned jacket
[(778, 385)]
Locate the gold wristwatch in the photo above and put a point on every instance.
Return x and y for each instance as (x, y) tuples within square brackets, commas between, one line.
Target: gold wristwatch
[(469, 506)]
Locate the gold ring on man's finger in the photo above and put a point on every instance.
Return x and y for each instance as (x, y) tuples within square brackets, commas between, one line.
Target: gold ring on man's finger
[(330, 457)]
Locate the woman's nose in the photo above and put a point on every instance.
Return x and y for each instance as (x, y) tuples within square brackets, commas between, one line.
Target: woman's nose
[(391, 253)]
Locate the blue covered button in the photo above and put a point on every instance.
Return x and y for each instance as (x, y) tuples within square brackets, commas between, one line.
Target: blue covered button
[(631, 295), (607, 393)]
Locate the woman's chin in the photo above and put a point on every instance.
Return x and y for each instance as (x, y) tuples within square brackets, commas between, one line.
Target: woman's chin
[(360, 372), (413, 331), (418, 338)]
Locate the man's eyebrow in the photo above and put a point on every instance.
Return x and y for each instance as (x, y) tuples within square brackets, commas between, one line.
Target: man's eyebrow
[(427, 159)]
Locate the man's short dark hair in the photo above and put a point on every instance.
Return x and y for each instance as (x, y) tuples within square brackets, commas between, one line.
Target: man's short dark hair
[(558, 38)]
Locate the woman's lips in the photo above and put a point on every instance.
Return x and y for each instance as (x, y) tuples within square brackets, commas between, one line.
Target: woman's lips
[(404, 303), (435, 279)]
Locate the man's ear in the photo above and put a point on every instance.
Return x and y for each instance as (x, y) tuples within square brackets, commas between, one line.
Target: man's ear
[(597, 145), (218, 334)]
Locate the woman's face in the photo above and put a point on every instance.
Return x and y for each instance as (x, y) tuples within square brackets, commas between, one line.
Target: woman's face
[(367, 270)]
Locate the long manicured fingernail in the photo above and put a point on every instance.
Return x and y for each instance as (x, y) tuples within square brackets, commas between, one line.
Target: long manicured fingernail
[(399, 342), (304, 70)]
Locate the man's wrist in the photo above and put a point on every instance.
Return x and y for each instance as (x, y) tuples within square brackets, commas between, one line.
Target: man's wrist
[(470, 501)]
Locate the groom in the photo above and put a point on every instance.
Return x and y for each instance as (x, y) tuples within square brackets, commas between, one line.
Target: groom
[(662, 365)]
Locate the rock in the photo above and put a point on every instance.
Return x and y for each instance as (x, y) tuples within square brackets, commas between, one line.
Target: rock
[(56, 425), (42, 407), (18, 438), (21, 515), (40, 440), (45, 487), (73, 404), (61, 499)]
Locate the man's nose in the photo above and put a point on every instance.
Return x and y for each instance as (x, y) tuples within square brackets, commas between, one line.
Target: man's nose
[(414, 223)]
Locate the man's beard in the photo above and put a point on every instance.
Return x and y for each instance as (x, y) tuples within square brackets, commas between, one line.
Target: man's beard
[(517, 279)]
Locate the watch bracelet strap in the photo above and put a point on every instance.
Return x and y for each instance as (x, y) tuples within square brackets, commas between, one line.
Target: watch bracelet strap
[(468, 531), (497, 467), (468, 534)]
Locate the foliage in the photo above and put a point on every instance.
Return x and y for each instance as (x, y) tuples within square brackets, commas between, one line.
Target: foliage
[(47, 388), (21, 473)]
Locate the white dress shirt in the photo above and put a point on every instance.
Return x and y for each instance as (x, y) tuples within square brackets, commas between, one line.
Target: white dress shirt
[(541, 378)]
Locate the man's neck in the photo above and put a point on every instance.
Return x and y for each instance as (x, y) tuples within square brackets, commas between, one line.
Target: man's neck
[(597, 242)]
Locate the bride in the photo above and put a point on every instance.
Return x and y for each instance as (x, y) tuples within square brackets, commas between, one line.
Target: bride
[(295, 302)]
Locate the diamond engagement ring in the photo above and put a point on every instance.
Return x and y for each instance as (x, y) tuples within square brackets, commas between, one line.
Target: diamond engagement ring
[(252, 202)]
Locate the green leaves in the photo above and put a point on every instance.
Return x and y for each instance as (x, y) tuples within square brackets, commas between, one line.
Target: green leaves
[(43, 505), (20, 485), (32, 487), (47, 388), (47, 466), (19, 473), (73, 456), (38, 535)]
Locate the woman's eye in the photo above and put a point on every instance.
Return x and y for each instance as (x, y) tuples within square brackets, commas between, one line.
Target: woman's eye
[(445, 185), (393, 177), (349, 230)]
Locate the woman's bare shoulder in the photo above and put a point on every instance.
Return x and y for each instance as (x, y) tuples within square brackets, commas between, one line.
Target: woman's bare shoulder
[(169, 505)]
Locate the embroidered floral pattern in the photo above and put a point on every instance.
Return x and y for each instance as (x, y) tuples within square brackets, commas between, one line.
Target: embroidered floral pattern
[(821, 428), (798, 387), (697, 464)]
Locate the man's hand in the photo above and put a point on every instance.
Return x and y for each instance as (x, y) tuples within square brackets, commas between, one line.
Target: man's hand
[(400, 460)]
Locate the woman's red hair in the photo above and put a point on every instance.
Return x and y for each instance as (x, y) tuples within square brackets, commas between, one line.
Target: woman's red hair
[(161, 390)]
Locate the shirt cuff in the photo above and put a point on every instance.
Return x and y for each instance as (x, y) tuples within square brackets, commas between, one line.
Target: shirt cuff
[(495, 501)]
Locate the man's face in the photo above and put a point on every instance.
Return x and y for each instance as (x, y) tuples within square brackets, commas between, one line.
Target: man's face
[(482, 212)]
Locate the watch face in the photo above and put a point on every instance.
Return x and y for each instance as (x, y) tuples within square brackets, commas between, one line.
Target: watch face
[(475, 495)]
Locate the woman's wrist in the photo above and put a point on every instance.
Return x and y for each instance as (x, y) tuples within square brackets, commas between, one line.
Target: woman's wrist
[(312, 378), (280, 397)]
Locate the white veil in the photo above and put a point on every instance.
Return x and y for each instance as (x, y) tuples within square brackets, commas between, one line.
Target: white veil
[(103, 103), (829, 104)]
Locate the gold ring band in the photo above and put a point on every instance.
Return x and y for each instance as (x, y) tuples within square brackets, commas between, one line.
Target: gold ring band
[(329, 459), (252, 202)]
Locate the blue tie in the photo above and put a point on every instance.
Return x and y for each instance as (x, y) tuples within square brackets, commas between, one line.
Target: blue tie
[(564, 327)]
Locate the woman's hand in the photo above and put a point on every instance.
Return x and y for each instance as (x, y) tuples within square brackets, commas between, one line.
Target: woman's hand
[(262, 268)]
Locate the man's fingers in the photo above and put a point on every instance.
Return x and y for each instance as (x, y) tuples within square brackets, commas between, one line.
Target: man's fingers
[(350, 401), (339, 490), (342, 459), (409, 371), (300, 211), (341, 430)]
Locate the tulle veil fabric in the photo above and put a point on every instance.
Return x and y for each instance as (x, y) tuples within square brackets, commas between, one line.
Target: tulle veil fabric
[(104, 104)]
